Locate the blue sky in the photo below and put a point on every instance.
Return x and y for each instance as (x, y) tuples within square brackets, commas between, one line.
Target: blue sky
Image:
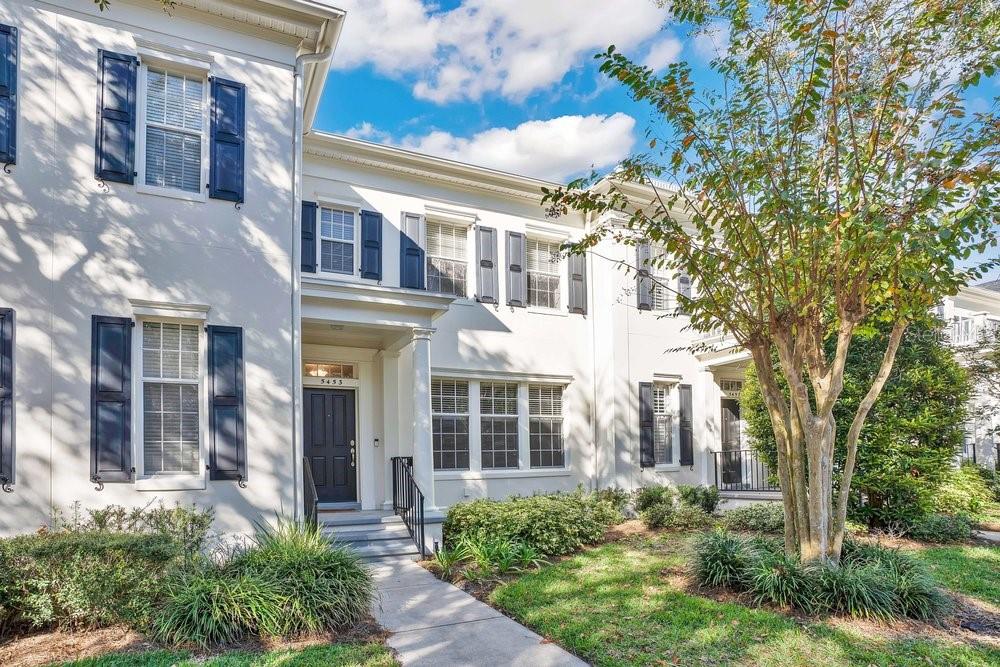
[(507, 84)]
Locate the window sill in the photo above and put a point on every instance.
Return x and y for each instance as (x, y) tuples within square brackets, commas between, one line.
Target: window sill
[(171, 193), (501, 474), (666, 467), (539, 310), (171, 483)]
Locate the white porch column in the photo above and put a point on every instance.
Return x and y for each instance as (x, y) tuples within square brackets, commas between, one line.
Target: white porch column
[(423, 445)]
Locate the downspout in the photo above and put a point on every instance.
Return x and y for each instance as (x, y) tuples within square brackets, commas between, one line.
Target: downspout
[(319, 58)]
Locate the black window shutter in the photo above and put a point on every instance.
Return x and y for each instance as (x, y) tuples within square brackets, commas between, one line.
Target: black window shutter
[(111, 399), (227, 413), (116, 94), (577, 283), (411, 254), (371, 245), (6, 398), (686, 426), (8, 94), (308, 237), (643, 281), (646, 457), (228, 138), (487, 278), (517, 279)]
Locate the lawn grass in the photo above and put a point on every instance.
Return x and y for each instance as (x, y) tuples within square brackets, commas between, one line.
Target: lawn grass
[(331, 655), (623, 604), (973, 571)]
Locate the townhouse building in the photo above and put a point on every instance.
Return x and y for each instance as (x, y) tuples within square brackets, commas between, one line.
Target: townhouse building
[(204, 299)]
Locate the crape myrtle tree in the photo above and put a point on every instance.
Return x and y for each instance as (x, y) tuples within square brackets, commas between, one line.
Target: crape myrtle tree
[(913, 433), (833, 176)]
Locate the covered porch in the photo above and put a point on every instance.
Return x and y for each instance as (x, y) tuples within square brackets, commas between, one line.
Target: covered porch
[(365, 382)]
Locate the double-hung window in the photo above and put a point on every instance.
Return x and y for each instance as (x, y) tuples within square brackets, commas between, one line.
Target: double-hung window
[(336, 233), (446, 258), (545, 426), (498, 424), (663, 445), (174, 130), (543, 273), (450, 424), (170, 398), (660, 297)]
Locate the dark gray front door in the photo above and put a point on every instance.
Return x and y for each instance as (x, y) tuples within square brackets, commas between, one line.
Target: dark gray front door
[(732, 465), (329, 442)]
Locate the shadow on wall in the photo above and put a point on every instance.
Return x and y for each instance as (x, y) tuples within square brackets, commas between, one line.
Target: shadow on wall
[(71, 248)]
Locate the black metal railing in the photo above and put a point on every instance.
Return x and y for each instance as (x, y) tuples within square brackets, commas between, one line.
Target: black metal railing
[(408, 500), (310, 499), (742, 470)]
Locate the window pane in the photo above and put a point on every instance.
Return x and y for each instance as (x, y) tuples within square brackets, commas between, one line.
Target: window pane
[(450, 432), (170, 428), (446, 241), (545, 426), (450, 397), (170, 350), (337, 224), (337, 257), (499, 442), (173, 159), (543, 256), (446, 276), (543, 290)]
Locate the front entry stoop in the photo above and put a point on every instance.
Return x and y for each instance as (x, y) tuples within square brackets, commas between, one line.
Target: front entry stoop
[(375, 535)]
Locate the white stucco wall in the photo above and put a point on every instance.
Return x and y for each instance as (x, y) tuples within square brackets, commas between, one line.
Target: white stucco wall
[(70, 249)]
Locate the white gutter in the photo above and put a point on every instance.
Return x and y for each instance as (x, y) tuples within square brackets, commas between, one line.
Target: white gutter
[(297, 129)]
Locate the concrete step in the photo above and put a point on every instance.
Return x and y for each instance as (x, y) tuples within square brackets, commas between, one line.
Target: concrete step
[(369, 534), (381, 550), (344, 519)]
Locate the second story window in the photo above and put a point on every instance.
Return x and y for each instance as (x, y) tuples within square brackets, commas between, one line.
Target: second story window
[(659, 293), (446, 259), (543, 273), (336, 231), (174, 130)]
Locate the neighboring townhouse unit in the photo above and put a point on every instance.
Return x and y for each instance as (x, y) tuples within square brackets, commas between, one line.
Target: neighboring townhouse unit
[(146, 243), (202, 300)]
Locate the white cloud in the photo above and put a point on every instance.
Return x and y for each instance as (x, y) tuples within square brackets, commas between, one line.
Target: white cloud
[(712, 41), (368, 132), (662, 53), (553, 149), (510, 47)]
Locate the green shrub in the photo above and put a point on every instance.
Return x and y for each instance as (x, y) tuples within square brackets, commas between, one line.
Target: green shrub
[(208, 605), (705, 497), (186, 525), (721, 558), (689, 518), (618, 498), (871, 581), (82, 579), (941, 528), (551, 524), (761, 517), (325, 585), (991, 478), (447, 561), (655, 494), (964, 492), (657, 515)]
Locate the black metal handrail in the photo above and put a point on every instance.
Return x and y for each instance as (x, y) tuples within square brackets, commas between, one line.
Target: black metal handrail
[(408, 500), (310, 498), (742, 470)]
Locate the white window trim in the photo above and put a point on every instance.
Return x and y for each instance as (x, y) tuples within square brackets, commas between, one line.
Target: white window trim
[(479, 425), (674, 410), (468, 415), (174, 65), (198, 479), (354, 211), (524, 469), (470, 284), (560, 274)]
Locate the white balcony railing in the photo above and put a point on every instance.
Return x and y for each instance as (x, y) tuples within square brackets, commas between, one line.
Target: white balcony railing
[(970, 329)]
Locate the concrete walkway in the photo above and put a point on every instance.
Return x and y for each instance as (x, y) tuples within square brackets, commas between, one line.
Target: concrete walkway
[(989, 535), (435, 623)]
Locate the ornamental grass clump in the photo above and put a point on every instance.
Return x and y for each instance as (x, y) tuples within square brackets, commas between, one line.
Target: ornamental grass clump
[(871, 581)]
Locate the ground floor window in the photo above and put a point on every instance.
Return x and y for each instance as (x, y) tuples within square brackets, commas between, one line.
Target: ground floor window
[(498, 424), (170, 404), (545, 426), (450, 424), (663, 443)]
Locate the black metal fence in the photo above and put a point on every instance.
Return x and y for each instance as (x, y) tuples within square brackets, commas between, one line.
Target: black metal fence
[(742, 470), (408, 500)]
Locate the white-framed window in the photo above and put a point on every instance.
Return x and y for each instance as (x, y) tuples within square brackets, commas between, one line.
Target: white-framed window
[(545, 441), (543, 273), (171, 397), (663, 429), (174, 129), (337, 229), (330, 370), (661, 298), (498, 424), (450, 423), (447, 261), (684, 288)]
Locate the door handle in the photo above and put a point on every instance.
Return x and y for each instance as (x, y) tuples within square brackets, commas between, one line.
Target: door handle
[(353, 448)]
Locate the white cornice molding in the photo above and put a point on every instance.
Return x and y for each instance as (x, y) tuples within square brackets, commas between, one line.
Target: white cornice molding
[(510, 376), (301, 19)]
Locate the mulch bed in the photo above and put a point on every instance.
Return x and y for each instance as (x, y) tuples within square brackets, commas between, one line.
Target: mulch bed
[(45, 648)]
